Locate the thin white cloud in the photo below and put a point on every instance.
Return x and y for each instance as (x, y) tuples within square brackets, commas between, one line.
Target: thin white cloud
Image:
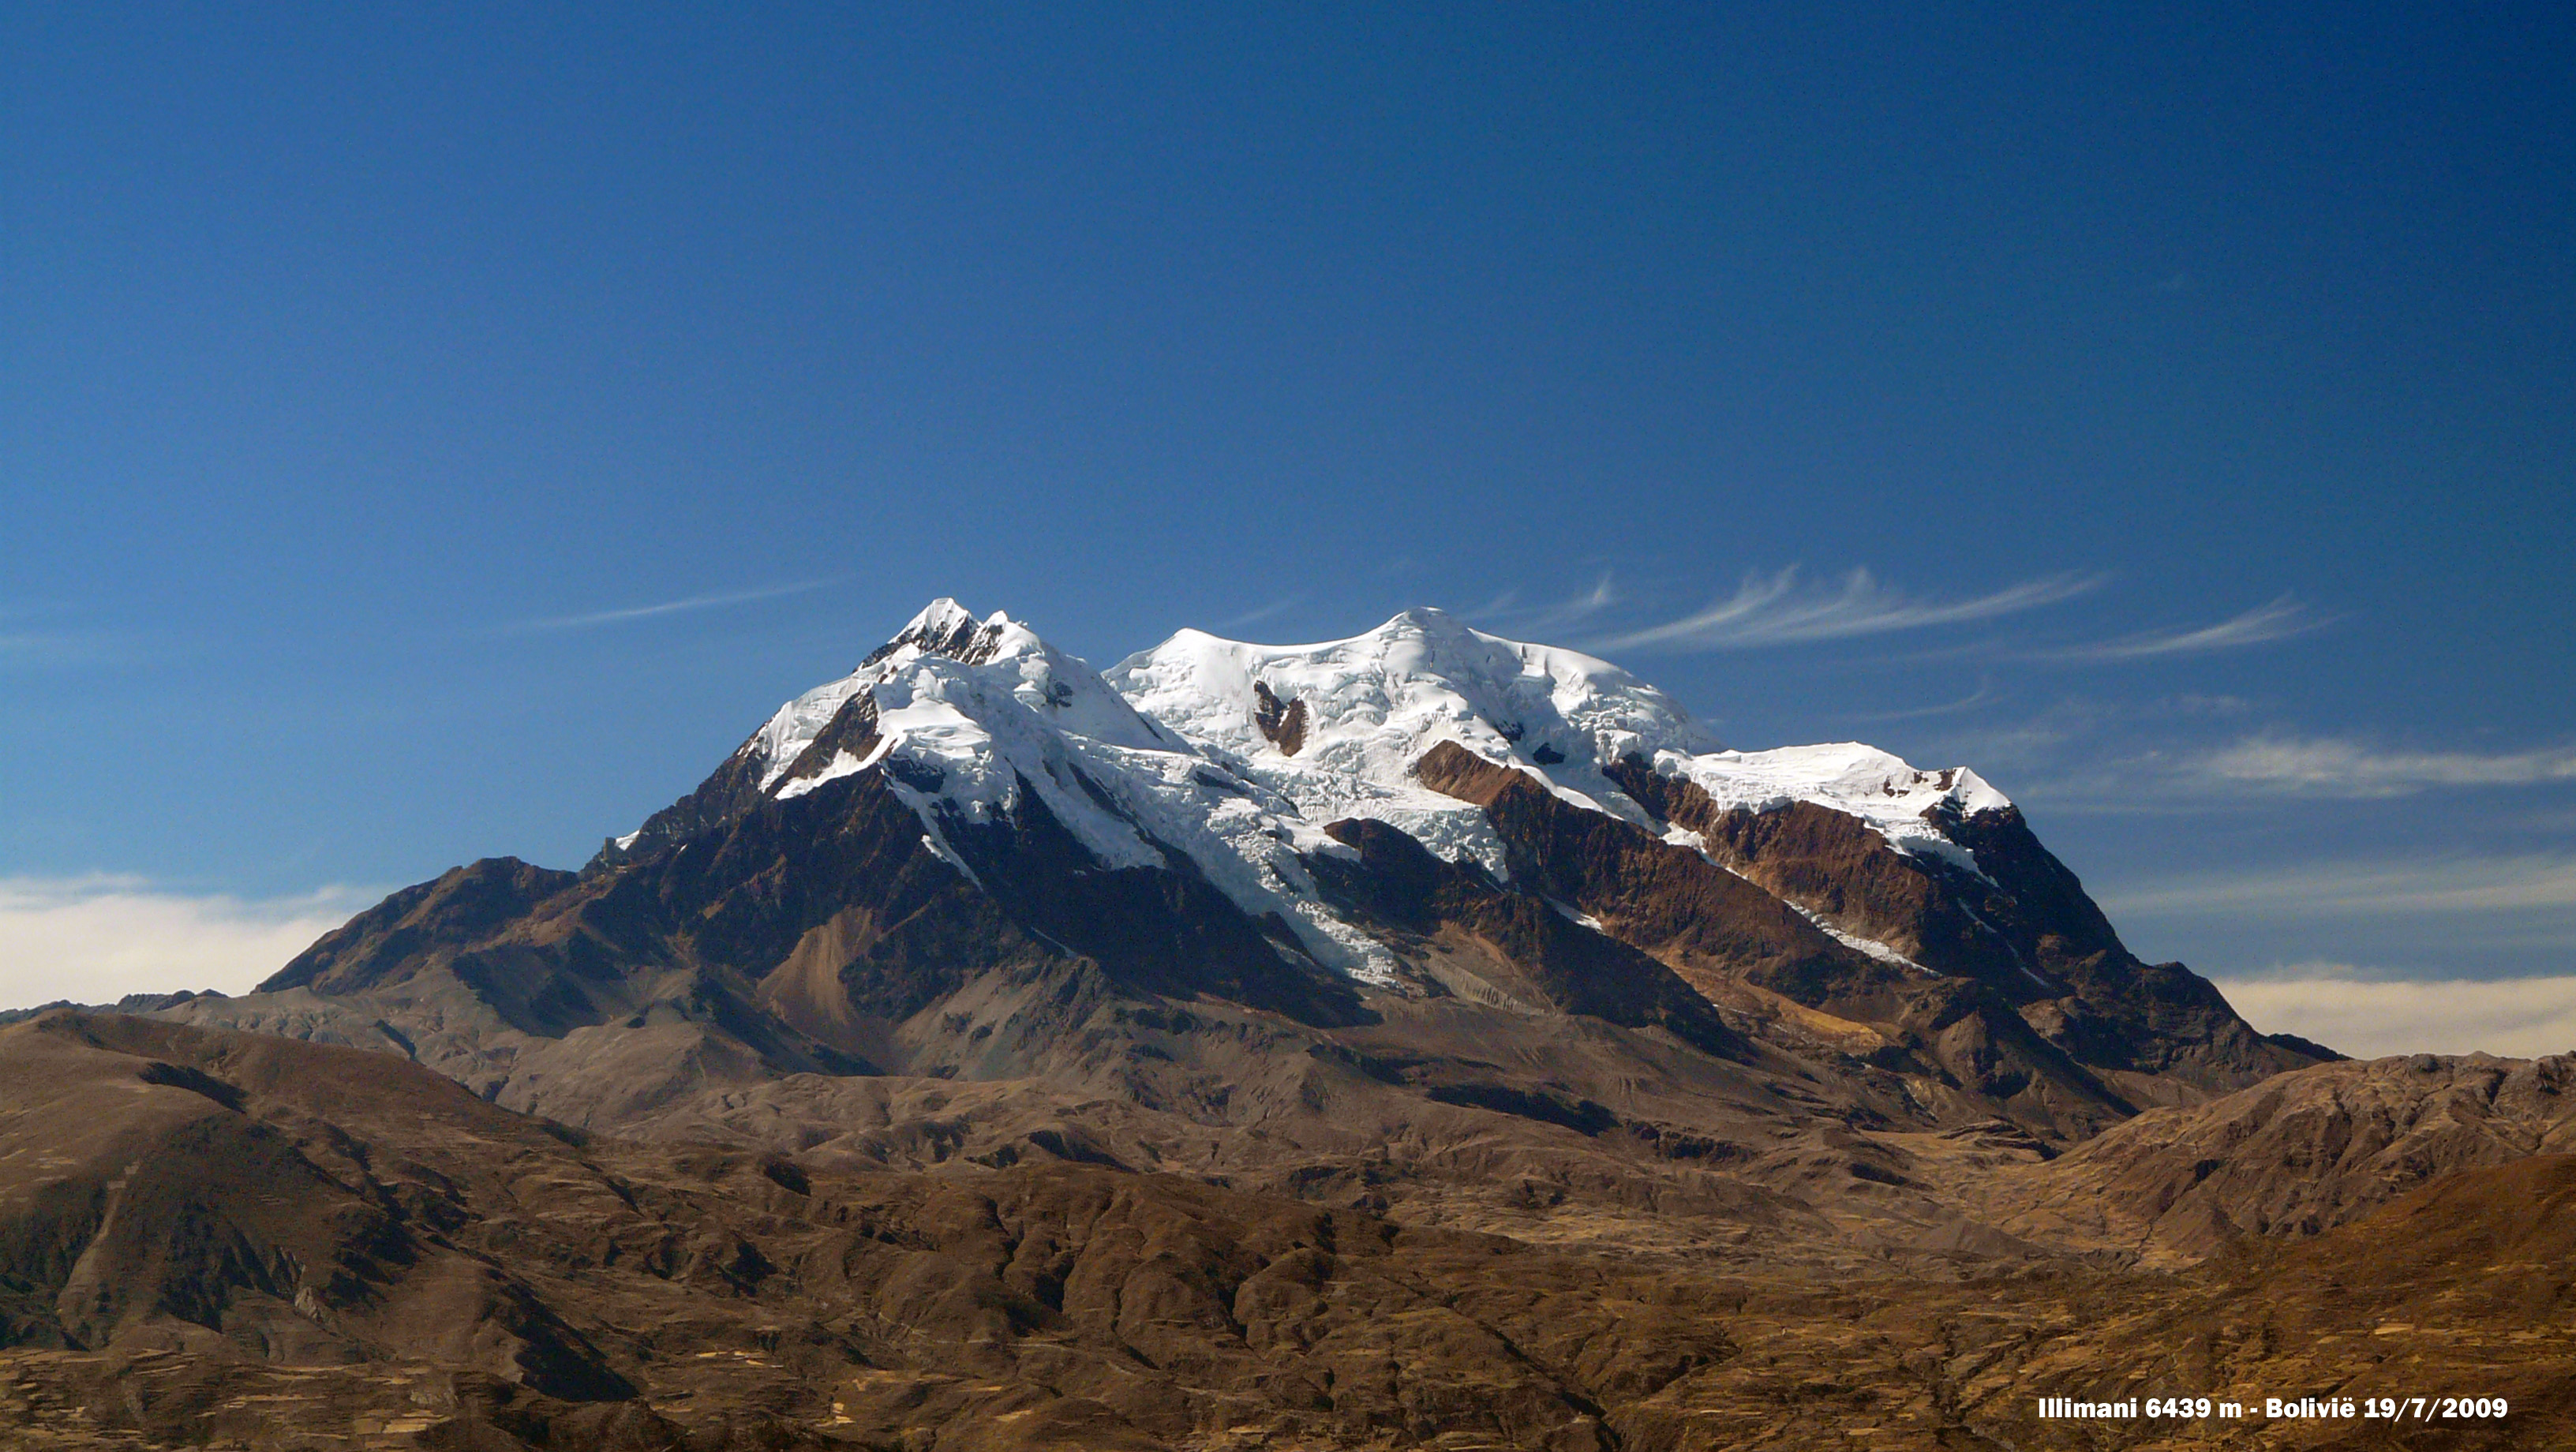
[(2334, 768), (2194, 704), (667, 607), (1270, 611), (57, 634), (2335, 1005), (53, 647), (95, 939), (2524, 884), (1504, 613), (1985, 692), (2279, 620), (2128, 770), (1777, 609)]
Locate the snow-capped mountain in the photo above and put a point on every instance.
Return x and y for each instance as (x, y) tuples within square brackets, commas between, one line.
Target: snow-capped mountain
[(1235, 756), (890, 865), (1321, 954)]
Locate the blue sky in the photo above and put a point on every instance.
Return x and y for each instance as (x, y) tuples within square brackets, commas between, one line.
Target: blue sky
[(434, 433)]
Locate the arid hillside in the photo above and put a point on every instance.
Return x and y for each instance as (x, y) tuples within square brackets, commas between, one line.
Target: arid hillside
[(211, 1238)]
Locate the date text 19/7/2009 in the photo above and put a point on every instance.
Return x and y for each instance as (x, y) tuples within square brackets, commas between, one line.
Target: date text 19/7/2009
[(2275, 1409)]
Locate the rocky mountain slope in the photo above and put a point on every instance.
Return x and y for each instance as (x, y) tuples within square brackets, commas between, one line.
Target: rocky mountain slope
[(2297, 1154)]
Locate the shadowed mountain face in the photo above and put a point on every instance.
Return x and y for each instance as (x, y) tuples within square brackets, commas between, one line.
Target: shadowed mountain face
[(1422, 1036)]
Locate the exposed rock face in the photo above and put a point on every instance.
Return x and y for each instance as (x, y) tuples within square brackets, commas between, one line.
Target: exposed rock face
[(466, 905), (2020, 924), (1729, 935), (1660, 897), (1562, 963), (1284, 726)]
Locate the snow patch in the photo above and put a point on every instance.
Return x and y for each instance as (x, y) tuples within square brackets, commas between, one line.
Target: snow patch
[(1576, 915), (1861, 781), (1870, 946), (1376, 703)]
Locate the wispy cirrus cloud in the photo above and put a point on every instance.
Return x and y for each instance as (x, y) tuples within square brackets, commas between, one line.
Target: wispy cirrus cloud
[(2466, 915), (666, 607), (2370, 1016), (2529, 883), (2462, 914), (2328, 767), (1984, 693), (94, 939), (2279, 620), (35, 649), (1506, 612), (1780, 609), (2157, 756), (1255, 616), (33, 636)]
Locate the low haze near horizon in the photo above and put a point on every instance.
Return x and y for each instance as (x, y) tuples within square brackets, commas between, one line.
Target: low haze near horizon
[(433, 435)]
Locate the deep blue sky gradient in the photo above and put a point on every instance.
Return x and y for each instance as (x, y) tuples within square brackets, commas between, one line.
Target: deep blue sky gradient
[(351, 356)]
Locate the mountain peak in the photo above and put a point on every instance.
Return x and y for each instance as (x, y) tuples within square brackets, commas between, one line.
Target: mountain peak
[(1426, 619), (943, 627), (942, 614)]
